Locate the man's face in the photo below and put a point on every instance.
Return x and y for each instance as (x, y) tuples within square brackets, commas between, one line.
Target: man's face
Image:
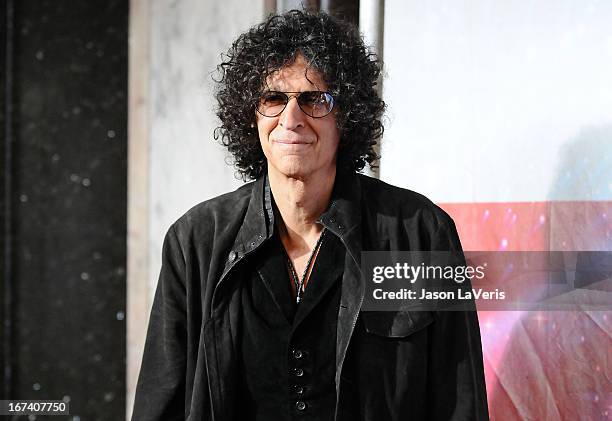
[(294, 143)]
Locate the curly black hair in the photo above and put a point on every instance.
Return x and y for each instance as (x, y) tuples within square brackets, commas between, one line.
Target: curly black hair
[(332, 47)]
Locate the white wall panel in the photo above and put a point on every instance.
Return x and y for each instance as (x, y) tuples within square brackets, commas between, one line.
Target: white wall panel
[(499, 101), (187, 164)]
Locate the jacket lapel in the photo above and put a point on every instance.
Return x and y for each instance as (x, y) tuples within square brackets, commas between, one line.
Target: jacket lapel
[(344, 220), (220, 329)]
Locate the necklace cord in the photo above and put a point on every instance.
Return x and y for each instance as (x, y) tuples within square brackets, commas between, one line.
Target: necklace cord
[(299, 283)]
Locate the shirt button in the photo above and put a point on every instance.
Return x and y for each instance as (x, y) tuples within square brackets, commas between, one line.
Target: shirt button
[(298, 372), (300, 405), (297, 354), (299, 390)]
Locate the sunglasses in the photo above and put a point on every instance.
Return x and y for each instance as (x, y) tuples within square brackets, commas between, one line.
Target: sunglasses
[(316, 104)]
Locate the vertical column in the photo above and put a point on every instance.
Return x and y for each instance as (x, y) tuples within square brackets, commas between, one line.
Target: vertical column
[(138, 295), (371, 25)]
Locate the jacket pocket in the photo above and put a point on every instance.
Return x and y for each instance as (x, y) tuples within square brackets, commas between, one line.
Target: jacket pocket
[(395, 324)]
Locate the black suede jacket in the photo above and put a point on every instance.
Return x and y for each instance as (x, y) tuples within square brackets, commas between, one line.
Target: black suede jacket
[(389, 365)]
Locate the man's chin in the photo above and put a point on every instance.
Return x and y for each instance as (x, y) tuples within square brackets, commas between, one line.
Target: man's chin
[(299, 168), (297, 173), (294, 167)]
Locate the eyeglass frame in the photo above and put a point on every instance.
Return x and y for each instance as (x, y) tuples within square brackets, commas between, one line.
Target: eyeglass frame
[(296, 95)]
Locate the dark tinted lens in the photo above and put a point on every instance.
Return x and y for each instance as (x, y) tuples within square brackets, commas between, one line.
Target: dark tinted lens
[(316, 103), (272, 103), (310, 97), (273, 98)]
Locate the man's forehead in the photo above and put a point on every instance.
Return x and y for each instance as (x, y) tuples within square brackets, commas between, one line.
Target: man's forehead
[(297, 72)]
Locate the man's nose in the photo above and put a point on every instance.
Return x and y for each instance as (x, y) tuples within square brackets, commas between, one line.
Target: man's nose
[(292, 116)]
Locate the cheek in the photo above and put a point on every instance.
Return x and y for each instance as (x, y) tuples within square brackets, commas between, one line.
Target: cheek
[(331, 134), (265, 128)]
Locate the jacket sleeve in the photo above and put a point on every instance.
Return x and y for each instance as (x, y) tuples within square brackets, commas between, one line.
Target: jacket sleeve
[(456, 382), (160, 392)]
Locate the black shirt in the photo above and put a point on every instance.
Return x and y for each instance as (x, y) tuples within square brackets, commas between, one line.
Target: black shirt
[(288, 349)]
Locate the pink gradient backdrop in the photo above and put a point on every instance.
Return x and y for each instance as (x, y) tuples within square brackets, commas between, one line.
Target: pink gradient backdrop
[(548, 365)]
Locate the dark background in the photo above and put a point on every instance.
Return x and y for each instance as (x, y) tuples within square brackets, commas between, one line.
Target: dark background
[(64, 178)]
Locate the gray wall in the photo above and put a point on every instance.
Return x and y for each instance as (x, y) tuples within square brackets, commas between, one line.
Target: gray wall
[(187, 164), (175, 162)]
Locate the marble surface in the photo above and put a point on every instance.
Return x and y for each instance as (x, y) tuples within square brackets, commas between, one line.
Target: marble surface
[(187, 165)]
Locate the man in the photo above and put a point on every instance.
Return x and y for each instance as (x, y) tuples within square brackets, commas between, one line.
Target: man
[(257, 315)]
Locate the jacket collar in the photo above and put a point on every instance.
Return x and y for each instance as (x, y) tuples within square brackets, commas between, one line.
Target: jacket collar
[(342, 217), (259, 218)]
